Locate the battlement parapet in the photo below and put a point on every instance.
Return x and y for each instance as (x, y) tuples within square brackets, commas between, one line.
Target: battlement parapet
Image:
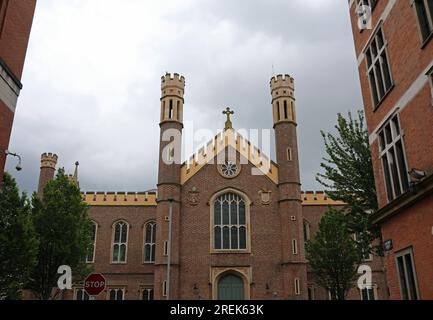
[(147, 198)]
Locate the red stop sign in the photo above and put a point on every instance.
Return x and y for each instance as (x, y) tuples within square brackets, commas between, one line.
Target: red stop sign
[(94, 284)]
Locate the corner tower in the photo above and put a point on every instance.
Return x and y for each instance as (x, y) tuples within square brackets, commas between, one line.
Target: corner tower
[(48, 170), (290, 202), (169, 187)]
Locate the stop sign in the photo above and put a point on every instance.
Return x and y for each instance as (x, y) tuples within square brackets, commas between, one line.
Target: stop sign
[(94, 284)]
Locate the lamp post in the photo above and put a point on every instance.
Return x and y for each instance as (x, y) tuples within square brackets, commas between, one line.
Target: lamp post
[(170, 223)]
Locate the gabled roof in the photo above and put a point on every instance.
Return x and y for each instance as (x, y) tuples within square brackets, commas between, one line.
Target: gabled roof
[(229, 138)]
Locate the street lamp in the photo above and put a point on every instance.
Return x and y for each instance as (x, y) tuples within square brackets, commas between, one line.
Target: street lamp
[(18, 167)]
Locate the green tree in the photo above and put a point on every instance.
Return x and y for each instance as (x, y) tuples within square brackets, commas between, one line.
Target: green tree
[(348, 174), (18, 242), (333, 255), (64, 231)]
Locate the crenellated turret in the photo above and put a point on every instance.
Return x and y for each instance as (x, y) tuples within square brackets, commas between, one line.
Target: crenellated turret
[(289, 185), (169, 189), (48, 170), (283, 98), (172, 93)]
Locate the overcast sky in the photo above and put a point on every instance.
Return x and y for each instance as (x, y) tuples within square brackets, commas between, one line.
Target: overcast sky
[(92, 79)]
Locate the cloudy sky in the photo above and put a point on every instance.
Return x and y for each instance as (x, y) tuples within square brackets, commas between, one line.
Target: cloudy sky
[(92, 79)]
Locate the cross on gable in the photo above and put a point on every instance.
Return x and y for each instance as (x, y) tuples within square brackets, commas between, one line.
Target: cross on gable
[(228, 112)]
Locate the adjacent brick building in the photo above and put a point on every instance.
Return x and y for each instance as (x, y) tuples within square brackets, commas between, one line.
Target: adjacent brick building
[(16, 19), (395, 58), (239, 222)]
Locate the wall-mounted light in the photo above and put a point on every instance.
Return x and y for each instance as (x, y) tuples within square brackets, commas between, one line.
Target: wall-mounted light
[(417, 175), (18, 167)]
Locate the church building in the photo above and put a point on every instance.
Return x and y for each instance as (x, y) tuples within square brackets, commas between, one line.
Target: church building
[(229, 223)]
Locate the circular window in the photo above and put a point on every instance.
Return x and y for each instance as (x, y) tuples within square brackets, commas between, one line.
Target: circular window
[(229, 169)]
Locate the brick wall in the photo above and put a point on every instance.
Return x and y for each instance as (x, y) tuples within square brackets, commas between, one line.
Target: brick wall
[(411, 97)]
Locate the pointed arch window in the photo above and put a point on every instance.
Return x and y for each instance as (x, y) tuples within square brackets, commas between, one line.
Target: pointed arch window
[(91, 254), (286, 116), (278, 111), (149, 242), (170, 112), (120, 242), (230, 223)]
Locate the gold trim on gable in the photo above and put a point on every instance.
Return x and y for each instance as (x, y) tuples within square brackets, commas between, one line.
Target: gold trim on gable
[(229, 138)]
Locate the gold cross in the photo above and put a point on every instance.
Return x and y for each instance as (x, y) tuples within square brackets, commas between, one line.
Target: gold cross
[(228, 113)]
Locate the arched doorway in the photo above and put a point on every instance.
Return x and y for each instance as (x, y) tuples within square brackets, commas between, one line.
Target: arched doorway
[(231, 287)]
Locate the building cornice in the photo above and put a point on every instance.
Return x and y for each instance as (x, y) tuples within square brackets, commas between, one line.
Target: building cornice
[(416, 193)]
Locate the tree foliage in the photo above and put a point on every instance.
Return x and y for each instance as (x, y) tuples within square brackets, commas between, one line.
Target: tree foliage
[(333, 255), (18, 242), (64, 232), (349, 177)]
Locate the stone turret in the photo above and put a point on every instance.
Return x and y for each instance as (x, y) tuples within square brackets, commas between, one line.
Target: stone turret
[(169, 189), (48, 170), (290, 203), (172, 97)]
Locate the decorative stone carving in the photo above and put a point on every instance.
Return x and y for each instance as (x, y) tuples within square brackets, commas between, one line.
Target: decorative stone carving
[(265, 196), (194, 197)]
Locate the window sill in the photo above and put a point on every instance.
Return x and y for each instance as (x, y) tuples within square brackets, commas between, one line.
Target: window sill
[(216, 252), (383, 98)]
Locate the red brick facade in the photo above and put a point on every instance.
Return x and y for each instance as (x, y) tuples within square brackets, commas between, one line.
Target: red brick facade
[(16, 19), (406, 218)]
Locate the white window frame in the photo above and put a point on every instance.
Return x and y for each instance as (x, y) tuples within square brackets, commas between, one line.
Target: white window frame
[(295, 247), (147, 289), (424, 39), (165, 248), (149, 245), (117, 289), (76, 290), (396, 137), (373, 289), (120, 243), (297, 286), (240, 198), (95, 225), (289, 154), (164, 288), (372, 67), (403, 254)]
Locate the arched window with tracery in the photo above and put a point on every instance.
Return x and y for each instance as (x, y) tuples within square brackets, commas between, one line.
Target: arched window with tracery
[(230, 222), (120, 242), (149, 242)]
